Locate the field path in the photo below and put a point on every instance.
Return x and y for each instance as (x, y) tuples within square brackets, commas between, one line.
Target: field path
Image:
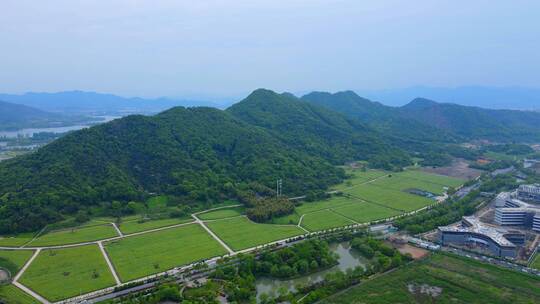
[(24, 288), (198, 221), (117, 229), (111, 267)]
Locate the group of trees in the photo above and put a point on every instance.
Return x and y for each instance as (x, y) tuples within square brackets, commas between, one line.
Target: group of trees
[(440, 215)]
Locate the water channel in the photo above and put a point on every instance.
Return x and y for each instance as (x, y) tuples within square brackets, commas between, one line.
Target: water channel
[(348, 258)]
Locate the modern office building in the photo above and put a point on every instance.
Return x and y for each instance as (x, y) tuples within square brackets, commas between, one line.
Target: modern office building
[(498, 241), (514, 212), (529, 193)]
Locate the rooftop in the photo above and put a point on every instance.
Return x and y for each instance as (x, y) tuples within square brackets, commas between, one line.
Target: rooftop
[(471, 224)]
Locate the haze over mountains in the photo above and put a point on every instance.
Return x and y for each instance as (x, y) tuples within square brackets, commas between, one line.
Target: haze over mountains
[(517, 98), (92, 102)]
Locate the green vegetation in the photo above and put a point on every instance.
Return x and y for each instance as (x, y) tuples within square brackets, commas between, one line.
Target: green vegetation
[(536, 262), (324, 219), (197, 155), (221, 213), (143, 225), (138, 256), (63, 273), (460, 281), (363, 212), (10, 294), (13, 260), (394, 199), (75, 235), (16, 240), (241, 233)]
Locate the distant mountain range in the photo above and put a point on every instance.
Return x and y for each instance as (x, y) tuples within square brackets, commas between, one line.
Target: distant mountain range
[(16, 116), (515, 98), (91, 102), (205, 155)]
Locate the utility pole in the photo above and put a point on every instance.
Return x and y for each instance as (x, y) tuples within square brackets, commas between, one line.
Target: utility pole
[(279, 187)]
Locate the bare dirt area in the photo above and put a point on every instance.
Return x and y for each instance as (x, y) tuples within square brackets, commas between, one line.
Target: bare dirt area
[(459, 169), (415, 252)]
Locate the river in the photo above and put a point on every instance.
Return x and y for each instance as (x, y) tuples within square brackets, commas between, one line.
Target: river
[(31, 131), (348, 258)]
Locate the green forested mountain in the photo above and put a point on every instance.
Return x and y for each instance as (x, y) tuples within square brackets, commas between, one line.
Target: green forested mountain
[(475, 123), (385, 119), (198, 154), (316, 130), (424, 120)]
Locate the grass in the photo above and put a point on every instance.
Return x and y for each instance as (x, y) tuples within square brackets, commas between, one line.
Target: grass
[(12, 295), (241, 233), (363, 212), (536, 262), (75, 235), (221, 213), (461, 280), (359, 177), (324, 219), (63, 273), (136, 226), (391, 198), (16, 240), (13, 260), (142, 255)]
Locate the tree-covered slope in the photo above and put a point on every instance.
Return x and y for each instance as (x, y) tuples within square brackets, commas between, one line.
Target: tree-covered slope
[(315, 129), (475, 123), (385, 119), (199, 154)]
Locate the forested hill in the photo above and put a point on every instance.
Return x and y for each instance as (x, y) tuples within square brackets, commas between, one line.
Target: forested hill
[(428, 120), (196, 154), (317, 130), (387, 120), (15, 116), (474, 122)]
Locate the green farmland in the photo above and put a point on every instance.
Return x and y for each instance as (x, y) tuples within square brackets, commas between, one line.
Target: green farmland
[(536, 262), (57, 274), (75, 235), (137, 226), (221, 213), (13, 295), (240, 233), (13, 260), (142, 255), (324, 219), (363, 212), (16, 241), (445, 279)]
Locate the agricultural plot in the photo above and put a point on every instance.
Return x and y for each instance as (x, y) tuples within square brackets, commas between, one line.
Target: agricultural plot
[(137, 225), (240, 233), (536, 262), (445, 279), (360, 177), (58, 274), (154, 252), (221, 213), (430, 179), (398, 200), (16, 241), (13, 260), (324, 219), (363, 212), (75, 235), (13, 295)]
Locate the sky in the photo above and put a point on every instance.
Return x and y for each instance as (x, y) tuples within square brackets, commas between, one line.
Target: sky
[(214, 49)]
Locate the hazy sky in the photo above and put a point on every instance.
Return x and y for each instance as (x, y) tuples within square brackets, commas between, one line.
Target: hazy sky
[(228, 48)]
